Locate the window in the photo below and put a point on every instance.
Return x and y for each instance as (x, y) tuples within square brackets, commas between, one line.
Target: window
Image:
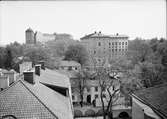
[(70, 68), (73, 97), (88, 89), (115, 43), (119, 43), (126, 43), (104, 96), (96, 96), (94, 52), (99, 44), (109, 43), (112, 43), (96, 88), (119, 49), (122, 43)]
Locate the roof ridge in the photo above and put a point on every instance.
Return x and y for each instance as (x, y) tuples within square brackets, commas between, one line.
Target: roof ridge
[(156, 86), (10, 86), (38, 99)]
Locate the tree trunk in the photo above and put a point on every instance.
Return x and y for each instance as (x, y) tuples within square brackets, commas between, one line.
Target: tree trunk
[(104, 113)]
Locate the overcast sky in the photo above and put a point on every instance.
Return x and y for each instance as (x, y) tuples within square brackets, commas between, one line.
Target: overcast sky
[(135, 18)]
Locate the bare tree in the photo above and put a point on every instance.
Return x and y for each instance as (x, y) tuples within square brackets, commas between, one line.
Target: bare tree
[(106, 78)]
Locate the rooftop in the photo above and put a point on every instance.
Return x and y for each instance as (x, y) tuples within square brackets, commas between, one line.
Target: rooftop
[(155, 97), (54, 78), (37, 100), (100, 35), (19, 101), (69, 63)]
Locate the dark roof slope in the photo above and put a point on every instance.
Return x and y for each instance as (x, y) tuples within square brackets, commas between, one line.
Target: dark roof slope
[(156, 97), (100, 35), (19, 101)]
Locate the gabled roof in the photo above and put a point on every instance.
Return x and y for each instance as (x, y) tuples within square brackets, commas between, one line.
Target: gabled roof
[(19, 101), (155, 97), (37, 100)]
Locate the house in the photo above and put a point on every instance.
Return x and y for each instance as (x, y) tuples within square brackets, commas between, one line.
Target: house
[(150, 103), (69, 65), (91, 90), (40, 94)]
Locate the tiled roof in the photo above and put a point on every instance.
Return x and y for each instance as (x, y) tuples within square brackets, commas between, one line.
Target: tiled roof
[(100, 35), (19, 101), (156, 97), (60, 105), (69, 63), (37, 100)]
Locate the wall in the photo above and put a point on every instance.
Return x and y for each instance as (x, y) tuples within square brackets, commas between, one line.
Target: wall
[(137, 111)]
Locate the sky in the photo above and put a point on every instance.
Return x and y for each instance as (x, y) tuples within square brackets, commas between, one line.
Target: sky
[(135, 18)]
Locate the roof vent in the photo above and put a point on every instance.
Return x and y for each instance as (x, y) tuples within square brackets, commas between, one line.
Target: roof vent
[(95, 32), (42, 64), (99, 32)]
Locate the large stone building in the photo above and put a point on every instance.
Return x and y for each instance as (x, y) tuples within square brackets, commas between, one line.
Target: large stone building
[(35, 37), (104, 47)]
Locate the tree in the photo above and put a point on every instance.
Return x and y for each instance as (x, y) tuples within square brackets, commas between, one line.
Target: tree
[(106, 83), (82, 76), (77, 53), (16, 49), (3, 54), (37, 53), (139, 51), (9, 58)]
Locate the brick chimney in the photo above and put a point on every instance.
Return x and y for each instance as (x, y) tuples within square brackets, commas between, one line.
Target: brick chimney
[(38, 69), (29, 76), (4, 82), (12, 76), (42, 64)]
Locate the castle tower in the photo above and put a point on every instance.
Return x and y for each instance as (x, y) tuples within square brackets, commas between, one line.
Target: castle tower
[(29, 36)]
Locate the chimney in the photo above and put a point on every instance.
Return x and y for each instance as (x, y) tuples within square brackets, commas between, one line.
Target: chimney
[(42, 64), (95, 32), (29, 76), (12, 76), (4, 82), (38, 69)]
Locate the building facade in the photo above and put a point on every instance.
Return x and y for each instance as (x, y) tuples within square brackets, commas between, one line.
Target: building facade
[(30, 36), (105, 47), (35, 37)]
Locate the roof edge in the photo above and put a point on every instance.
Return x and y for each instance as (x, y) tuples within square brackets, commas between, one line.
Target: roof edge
[(161, 114)]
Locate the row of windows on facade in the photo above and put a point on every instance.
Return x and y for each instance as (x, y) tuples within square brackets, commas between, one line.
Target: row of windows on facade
[(116, 43), (114, 50)]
